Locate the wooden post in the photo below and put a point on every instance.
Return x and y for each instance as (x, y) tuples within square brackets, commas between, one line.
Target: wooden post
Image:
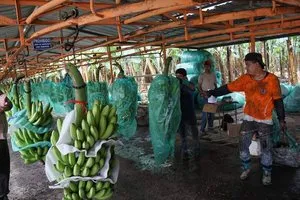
[(252, 37), (19, 18), (186, 33), (291, 66), (6, 49), (110, 63), (164, 53), (119, 28)]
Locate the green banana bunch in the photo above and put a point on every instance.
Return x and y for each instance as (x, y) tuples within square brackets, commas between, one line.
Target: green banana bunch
[(76, 164), (40, 116), (99, 124), (88, 190), (24, 137), (34, 154)]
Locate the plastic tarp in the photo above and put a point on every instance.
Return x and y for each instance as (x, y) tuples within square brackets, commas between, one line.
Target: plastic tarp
[(124, 96), (97, 91), (292, 101), (286, 89), (164, 115), (236, 97), (286, 150)]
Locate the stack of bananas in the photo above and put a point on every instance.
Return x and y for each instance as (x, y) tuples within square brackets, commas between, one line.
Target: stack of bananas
[(24, 137), (88, 190), (39, 116), (99, 123)]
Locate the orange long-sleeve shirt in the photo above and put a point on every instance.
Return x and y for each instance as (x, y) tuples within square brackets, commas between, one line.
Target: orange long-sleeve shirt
[(260, 95)]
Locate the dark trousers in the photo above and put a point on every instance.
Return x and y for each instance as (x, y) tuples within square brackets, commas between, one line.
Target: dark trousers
[(264, 135), (4, 169), (183, 134)]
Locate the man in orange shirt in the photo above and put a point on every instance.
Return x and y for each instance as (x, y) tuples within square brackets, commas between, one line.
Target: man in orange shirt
[(263, 94)]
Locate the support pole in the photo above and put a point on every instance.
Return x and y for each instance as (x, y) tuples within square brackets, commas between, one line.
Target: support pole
[(110, 63)]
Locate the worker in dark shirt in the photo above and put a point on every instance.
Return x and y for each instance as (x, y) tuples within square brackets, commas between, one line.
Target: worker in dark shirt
[(188, 116)]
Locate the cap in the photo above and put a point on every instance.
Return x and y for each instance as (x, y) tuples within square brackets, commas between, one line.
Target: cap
[(256, 57), (181, 71), (207, 63)]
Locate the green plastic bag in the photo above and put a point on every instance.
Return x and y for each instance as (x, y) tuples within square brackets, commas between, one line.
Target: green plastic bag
[(164, 115), (124, 96)]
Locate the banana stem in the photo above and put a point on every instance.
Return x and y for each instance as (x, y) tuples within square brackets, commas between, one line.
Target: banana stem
[(167, 65), (80, 93), (27, 88)]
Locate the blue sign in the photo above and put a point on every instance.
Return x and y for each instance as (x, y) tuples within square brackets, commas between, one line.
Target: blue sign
[(41, 44)]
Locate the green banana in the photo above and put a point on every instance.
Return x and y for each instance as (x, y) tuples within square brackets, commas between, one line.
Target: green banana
[(81, 159), (89, 185), (105, 110), (91, 193), (94, 132), (59, 124), (72, 159), (102, 125), (95, 169), (108, 132), (73, 186), (90, 118), (54, 137), (73, 130)]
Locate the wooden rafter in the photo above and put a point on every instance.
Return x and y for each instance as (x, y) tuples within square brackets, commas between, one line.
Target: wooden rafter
[(81, 5), (156, 12), (109, 13), (6, 21), (19, 17), (289, 2)]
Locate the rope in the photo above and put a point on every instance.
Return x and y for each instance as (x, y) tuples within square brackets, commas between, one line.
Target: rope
[(82, 103)]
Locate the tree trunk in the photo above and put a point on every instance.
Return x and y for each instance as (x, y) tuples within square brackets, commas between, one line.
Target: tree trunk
[(241, 58), (281, 63), (266, 53), (221, 66), (291, 66), (229, 66)]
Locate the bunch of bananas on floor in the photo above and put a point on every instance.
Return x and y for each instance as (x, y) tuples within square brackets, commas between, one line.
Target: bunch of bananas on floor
[(100, 124), (24, 137), (40, 116), (88, 190)]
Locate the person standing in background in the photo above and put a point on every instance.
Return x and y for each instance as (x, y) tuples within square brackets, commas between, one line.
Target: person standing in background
[(5, 105), (207, 81), (188, 115)]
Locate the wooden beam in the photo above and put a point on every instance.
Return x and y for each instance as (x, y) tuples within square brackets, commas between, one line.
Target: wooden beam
[(81, 5), (6, 21), (238, 37), (289, 2), (44, 8), (109, 13), (19, 17), (156, 12), (218, 18), (5, 48)]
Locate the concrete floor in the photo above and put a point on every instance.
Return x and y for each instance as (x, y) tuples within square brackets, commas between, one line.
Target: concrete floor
[(214, 175)]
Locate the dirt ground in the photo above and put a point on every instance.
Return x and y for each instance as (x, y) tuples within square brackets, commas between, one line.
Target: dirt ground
[(213, 175)]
